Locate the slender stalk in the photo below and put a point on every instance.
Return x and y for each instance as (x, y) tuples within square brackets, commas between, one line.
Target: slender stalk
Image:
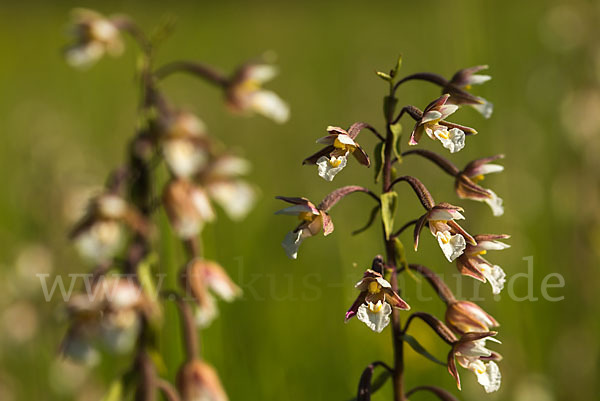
[(194, 68), (398, 343)]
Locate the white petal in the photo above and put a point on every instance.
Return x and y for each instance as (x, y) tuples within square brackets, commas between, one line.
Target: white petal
[(346, 140), (270, 105), (383, 282), (431, 116), (228, 166), (326, 169), (485, 109), (183, 157), (84, 56), (453, 140), (452, 245), (492, 245), (202, 205), (206, 313), (112, 206), (236, 198), (478, 79), (291, 243), (448, 109), (101, 241), (262, 72), (495, 276), (376, 321), (489, 168), (495, 203), (491, 378)]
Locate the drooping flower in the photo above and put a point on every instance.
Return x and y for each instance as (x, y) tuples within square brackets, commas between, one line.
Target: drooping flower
[(466, 183), (94, 35), (188, 207), (461, 82), (312, 221), (99, 235), (451, 237), (471, 353), (185, 146), (245, 93), (198, 381), (373, 305), (464, 316), (472, 264), (450, 135), (201, 278), (334, 157), (223, 182)]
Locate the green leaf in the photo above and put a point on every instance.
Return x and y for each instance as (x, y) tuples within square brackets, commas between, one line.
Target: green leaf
[(378, 153), (389, 202), (384, 76), (414, 344), (397, 133), (114, 392)]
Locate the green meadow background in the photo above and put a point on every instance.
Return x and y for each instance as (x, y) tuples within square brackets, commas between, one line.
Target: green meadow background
[(63, 130)]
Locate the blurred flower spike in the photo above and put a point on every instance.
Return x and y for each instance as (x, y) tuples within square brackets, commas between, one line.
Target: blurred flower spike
[(334, 157), (197, 381), (373, 305), (471, 353), (94, 35), (467, 186), (200, 278), (245, 93), (100, 234)]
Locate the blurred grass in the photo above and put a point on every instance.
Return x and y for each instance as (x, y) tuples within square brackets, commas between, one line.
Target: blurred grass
[(64, 130)]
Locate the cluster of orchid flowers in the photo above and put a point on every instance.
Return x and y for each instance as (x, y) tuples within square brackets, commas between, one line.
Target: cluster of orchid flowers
[(467, 326), (117, 234)]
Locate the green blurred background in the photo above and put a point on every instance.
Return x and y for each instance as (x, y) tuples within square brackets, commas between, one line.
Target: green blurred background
[(63, 130)]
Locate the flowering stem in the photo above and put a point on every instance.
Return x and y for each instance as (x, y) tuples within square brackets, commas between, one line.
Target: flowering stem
[(398, 343), (194, 68), (167, 389)]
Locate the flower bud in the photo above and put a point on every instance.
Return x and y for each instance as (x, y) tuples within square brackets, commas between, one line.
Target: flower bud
[(185, 146), (197, 381), (187, 207), (464, 317)]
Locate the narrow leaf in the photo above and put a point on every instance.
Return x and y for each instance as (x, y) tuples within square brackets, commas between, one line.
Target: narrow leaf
[(401, 259), (378, 160), (395, 70), (414, 344), (389, 202)]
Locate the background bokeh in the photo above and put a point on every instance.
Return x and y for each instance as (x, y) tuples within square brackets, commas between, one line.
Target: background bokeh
[(63, 130)]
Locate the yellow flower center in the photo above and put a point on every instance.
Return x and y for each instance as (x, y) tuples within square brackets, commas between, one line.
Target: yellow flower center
[(306, 216), (482, 252), (443, 134), (335, 161), (375, 308), (344, 146), (374, 287), (478, 178), (250, 85)]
